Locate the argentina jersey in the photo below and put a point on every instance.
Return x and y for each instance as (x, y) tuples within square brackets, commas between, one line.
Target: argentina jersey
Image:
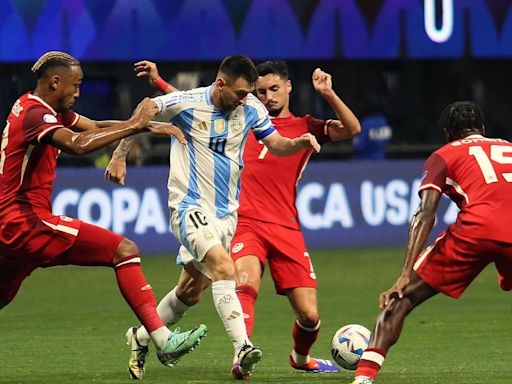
[(206, 171)]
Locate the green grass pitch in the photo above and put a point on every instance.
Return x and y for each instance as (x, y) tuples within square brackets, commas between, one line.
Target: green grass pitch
[(67, 326)]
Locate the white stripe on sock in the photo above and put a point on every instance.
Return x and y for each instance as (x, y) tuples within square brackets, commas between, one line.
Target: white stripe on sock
[(134, 260), (309, 329), (373, 356)]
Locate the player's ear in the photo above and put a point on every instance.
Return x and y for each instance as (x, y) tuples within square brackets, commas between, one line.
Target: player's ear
[(54, 82), (289, 86), (220, 82)]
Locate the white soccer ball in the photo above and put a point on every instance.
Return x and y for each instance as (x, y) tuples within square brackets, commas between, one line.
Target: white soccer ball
[(348, 344)]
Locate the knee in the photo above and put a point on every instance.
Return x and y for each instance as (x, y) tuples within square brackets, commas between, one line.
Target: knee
[(247, 277), (248, 272), (190, 295), (394, 314), (308, 317), (126, 248), (223, 270)]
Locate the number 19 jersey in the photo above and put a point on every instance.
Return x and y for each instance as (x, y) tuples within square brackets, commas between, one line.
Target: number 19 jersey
[(476, 173)]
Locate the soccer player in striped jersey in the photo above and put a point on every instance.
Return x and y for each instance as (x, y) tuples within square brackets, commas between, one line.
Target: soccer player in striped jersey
[(204, 188), (475, 172), (40, 125)]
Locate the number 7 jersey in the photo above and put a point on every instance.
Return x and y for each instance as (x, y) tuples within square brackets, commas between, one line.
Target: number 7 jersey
[(476, 173)]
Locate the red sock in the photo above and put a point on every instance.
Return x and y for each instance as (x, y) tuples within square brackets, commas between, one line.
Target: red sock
[(247, 296), (370, 363), (304, 337), (137, 292)]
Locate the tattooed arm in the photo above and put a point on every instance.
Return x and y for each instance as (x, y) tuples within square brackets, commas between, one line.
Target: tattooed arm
[(116, 169)]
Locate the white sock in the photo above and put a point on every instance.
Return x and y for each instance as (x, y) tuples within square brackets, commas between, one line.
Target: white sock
[(159, 337), (170, 309), (230, 312), (299, 359)]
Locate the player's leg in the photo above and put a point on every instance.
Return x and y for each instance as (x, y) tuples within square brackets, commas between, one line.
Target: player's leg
[(13, 272), (305, 331), (40, 240), (307, 324), (123, 255), (248, 272), (294, 276), (249, 254), (207, 239), (222, 271), (187, 293), (448, 266), (209, 254), (503, 263), (171, 309), (137, 292), (174, 304), (389, 327)]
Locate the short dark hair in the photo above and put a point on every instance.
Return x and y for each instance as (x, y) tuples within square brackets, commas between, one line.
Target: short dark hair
[(275, 67), (53, 59), (238, 66), (460, 118)]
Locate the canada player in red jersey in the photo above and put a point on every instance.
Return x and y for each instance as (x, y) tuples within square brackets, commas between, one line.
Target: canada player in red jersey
[(476, 173), (268, 230), (40, 125)]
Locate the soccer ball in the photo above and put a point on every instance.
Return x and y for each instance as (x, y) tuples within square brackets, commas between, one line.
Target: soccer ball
[(348, 344)]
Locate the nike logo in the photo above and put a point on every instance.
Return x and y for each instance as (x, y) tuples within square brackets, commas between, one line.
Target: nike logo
[(147, 287)]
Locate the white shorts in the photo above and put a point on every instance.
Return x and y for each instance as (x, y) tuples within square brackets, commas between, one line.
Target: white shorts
[(198, 230)]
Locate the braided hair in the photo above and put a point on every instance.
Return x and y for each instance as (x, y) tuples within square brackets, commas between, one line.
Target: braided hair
[(461, 119), (53, 59)]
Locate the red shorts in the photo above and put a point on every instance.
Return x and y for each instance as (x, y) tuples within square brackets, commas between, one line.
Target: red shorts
[(453, 261), (57, 241), (284, 248)]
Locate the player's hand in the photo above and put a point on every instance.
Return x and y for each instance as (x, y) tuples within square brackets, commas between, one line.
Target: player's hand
[(395, 292), (322, 81), (145, 111), (146, 68), (309, 141), (116, 170), (166, 129)]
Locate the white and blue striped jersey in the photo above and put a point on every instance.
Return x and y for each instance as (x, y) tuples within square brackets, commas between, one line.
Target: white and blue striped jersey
[(206, 171)]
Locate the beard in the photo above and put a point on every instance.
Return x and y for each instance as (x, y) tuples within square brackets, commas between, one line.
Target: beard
[(275, 112)]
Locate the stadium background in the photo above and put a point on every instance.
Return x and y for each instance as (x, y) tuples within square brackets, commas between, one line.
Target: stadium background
[(67, 324), (412, 61)]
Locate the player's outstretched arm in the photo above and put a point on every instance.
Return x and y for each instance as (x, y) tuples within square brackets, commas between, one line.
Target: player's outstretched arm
[(347, 126), (284, 146), (116, 168), (86, 124), (146, 68), (80, 143), (419, 230)]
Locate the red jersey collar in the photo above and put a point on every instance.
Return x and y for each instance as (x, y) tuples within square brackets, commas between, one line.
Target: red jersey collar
[(38, 99)]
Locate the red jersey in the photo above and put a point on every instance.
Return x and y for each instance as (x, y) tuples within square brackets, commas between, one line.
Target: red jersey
[(27, 166), (269, 182), (476, 173)]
